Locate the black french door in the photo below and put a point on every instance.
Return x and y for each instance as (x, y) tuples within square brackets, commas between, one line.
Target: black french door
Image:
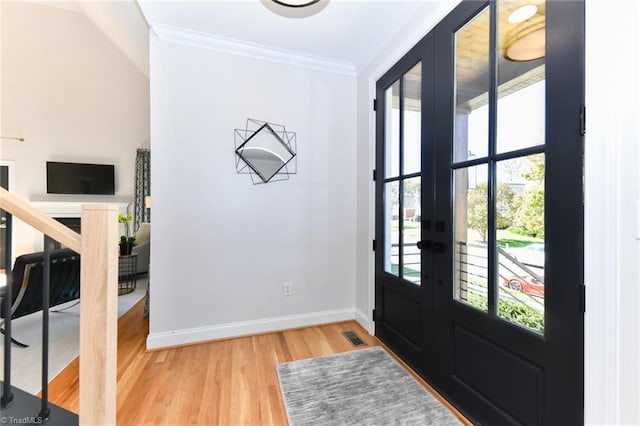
[(479, 219), (405, 173)]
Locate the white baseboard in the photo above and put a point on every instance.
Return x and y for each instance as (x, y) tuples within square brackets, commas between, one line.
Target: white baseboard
[(364, 321), (243, 328)]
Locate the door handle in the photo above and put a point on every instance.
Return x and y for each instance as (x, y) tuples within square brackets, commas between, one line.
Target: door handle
[(431, 245), (424, 245)]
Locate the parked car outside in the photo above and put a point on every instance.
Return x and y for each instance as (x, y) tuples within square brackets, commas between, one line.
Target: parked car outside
[(526, 284), (532, 255)]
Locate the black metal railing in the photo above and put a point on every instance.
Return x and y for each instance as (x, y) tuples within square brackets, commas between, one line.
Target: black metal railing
[(472, 272), (9, 391), (7, 394), (411, 256)]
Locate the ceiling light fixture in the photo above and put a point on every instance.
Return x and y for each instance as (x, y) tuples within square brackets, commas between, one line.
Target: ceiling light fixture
[(528, 47), (526, 40), (521, 14), (295, 3), (294, 8)]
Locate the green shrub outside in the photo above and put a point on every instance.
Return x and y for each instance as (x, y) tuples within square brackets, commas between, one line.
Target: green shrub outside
[(513, 311), (517, 231)]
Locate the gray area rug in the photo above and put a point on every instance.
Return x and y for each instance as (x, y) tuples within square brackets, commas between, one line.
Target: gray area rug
[(361, 387)]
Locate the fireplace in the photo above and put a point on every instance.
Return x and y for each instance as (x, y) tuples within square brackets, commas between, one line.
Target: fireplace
[(70, 222), (69, 212)]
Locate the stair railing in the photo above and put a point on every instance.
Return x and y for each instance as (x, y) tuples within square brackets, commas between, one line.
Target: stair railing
[(98, 308)]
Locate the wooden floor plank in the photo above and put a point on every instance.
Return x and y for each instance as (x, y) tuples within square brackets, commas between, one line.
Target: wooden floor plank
[(225, 382)]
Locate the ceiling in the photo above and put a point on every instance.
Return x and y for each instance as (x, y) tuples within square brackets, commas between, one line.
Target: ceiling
[(348, 33), (345, 31)]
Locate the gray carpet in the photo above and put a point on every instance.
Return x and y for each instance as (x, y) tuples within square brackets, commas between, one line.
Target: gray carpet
[(361, 387)]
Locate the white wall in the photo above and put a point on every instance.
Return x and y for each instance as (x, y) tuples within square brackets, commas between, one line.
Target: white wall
[(71, 95), (222, 247), (612, 182)]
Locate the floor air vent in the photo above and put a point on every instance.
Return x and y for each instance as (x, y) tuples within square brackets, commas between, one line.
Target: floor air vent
[(353, 338)]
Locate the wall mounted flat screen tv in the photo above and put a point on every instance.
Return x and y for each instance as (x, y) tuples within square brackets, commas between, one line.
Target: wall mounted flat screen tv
[(80, 178)]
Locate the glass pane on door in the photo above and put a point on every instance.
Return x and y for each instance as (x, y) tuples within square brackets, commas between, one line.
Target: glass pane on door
[(520, 239), (521, 74), (392, 227), (472, 89), (392, 131), (412, 120), (411, 229), (471, 227), (403, 164)]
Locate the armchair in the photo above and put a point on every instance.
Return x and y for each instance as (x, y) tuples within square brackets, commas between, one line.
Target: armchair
[(27, 282)]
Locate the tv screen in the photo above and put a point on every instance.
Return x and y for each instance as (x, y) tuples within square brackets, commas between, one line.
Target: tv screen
[(80, 178)]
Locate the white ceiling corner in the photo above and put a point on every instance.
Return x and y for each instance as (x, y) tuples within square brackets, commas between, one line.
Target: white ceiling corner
[(124, 25), (171, 34), (343, 37)]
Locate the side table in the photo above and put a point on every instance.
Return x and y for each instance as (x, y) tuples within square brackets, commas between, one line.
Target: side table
[(127, 266)]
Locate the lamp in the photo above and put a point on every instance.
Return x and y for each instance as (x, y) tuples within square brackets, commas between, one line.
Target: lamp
[(527, 40), (295, 3), (147, 202)]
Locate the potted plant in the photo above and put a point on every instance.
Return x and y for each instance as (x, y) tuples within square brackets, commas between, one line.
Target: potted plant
[(126, 240)]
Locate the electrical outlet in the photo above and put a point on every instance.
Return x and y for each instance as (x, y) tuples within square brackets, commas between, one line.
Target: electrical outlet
[(287, 289)]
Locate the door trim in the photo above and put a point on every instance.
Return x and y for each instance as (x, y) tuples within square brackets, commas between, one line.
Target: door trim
[(610, 389)]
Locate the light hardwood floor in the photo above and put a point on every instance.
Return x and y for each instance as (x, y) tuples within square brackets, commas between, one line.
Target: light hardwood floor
[(226, 382)]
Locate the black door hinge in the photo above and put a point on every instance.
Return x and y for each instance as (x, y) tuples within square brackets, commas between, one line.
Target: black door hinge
[(373, 246), (375, 176), (583, 120), (583, 298), (375, 104), (373, 315)]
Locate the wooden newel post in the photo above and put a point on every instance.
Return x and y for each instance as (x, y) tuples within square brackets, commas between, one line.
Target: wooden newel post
[(98, 314)]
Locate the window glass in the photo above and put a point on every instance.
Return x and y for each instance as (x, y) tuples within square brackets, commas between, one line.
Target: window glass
[(471, 230), (520, 239), (411, 228), (392, 135), (472, 89), (521, 74), (392, 227), (412, 120)]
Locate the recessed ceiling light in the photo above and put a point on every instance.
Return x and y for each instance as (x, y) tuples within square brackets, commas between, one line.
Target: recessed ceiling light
[(521, 14), (296, 3)]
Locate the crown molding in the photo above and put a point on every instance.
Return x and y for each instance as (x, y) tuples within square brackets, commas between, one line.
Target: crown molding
[(170, 34)]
